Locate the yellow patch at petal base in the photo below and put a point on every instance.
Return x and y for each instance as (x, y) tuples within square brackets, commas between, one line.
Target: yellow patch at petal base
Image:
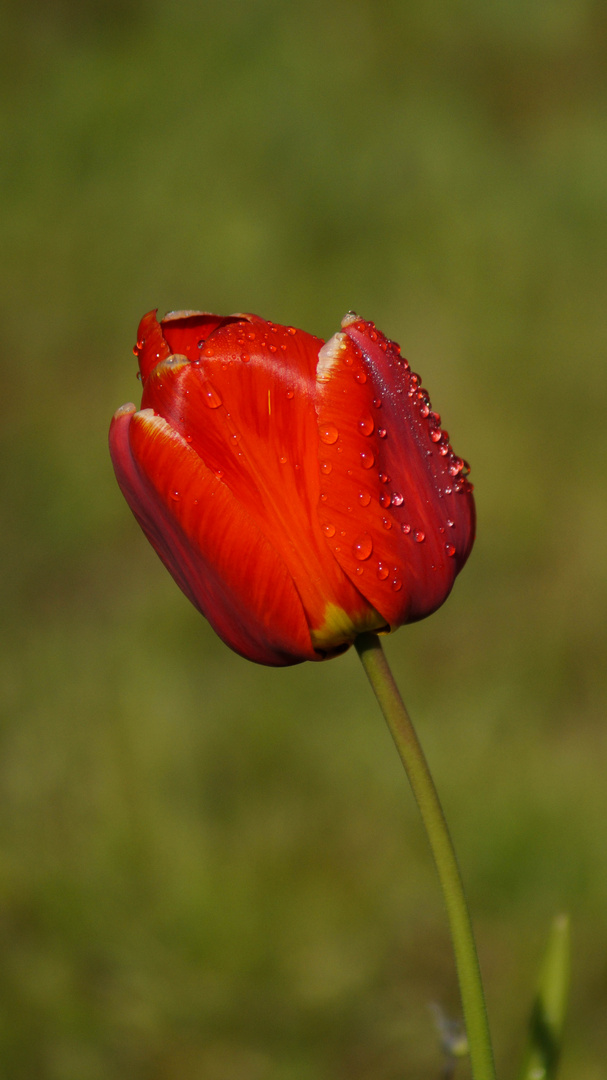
[(339, 628)]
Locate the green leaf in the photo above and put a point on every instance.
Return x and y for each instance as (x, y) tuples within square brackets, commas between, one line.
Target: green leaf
[(549, 1007)]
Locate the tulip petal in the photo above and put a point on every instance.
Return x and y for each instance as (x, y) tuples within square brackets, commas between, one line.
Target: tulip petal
[(246, 407), (208, 542), (395, 492)]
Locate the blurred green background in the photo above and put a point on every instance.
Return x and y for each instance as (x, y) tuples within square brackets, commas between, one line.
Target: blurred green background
[(214, 870)]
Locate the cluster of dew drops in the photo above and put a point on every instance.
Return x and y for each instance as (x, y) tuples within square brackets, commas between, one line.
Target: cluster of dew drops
[(456, 468)]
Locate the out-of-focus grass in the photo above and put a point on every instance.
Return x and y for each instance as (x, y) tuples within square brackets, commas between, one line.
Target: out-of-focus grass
[(212, 870)]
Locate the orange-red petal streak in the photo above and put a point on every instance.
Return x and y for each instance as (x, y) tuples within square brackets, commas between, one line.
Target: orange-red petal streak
[(216, 553)]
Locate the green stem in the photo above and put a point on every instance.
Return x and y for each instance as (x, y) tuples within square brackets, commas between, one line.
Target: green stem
[(471, 988)]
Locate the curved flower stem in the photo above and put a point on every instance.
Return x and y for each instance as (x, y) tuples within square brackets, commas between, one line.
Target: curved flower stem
[(386, 691)]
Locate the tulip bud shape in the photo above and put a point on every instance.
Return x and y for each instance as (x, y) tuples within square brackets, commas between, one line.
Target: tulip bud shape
[(300, 492)]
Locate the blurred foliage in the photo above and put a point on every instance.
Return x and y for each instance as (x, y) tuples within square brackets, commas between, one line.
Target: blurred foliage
[(213, 870)]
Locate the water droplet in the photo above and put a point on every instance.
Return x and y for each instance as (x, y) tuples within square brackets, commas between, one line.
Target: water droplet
[(139, 376), (188, 438), (397, 498), (387, 524), (367, 459), (420, 536), (377, 402), (361, 376), (384, 478), (450, 523), (282, 459), (328, 529), (363, 547), (449, 549), (435, 436), (175, 495), (290, 395), (425, 411), (323, 496), (210, 395), (385, 499), (208, 351), (328, 434), (360, 570), (406, 529), (326, 467), (272, 348), (245, 357), (397, 585), (364, 498), (382, 432), (219, 474), (251, 335), (291, 330), (383, 571), (366, 425), (443, 449)]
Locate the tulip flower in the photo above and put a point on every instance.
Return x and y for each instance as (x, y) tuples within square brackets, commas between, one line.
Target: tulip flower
[(305, 497), (300, 492)]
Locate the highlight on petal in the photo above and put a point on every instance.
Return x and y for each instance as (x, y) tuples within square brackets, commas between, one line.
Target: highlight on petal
[(217, 555)]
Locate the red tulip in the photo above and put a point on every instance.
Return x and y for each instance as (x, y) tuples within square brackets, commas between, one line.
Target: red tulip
[(299, 492)]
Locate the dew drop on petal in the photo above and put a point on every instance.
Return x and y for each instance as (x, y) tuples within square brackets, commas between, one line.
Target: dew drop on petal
[(435, 435), (328, 529), (449, 548), (290, 395), (450, 523), (360, 570), (210, 395), (282, 459), (366, 425), (397, 498), (175, 495), (363, 547), (364, 498), (367, 459), (420, 536), (383, 478), (397, 585), (361, 376), (382, 432), (328, 434), (383, 571), (326, 467), (385, 499), (387, 524), (406, 529), (291, 330), (377, 402), (245, 357)]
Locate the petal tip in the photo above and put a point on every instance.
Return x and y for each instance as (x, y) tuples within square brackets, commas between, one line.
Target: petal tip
[(125, 410), (329, 354)]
